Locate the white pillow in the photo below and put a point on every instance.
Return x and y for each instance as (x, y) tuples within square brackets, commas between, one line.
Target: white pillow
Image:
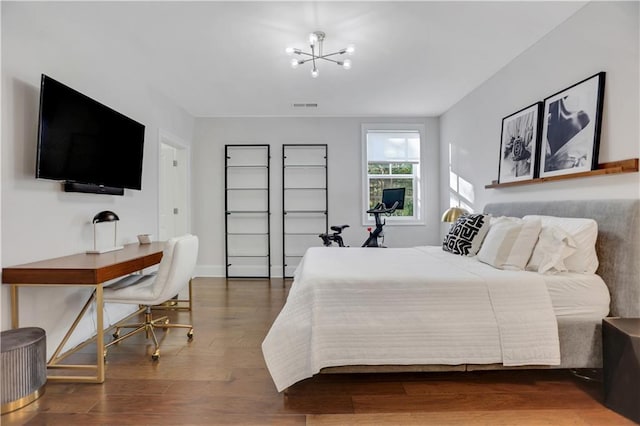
[(584, 233), (553, 247), (496, 219), (509, 243)]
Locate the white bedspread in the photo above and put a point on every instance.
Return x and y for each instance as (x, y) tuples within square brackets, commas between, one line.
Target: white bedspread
[(402, 306)]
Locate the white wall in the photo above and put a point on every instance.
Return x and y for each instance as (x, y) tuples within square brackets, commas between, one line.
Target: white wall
[(602, 36), (343, 137), (40, 221)]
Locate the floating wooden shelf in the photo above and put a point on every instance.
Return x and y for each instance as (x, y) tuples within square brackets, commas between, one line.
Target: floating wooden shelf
[(615, 167)]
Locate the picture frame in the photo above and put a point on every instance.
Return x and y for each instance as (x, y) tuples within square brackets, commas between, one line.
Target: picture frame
[(571, 128), (520, 144)]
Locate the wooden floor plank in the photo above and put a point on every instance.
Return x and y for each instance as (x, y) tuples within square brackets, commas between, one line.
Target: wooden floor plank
[(220, 378), (490, 401), (466, 418), (167, 419)]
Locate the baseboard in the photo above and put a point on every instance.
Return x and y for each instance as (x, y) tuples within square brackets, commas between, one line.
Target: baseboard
[(209, 271), (214, 271)]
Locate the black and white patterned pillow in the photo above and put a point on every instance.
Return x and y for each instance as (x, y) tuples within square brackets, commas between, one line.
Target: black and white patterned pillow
[(466, 234)]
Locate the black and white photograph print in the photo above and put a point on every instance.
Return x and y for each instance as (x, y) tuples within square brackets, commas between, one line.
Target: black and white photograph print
[(571, 128), (519, 144)]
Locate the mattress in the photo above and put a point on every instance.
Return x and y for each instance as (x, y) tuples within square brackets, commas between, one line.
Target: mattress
[(408, 306), (578, 295)]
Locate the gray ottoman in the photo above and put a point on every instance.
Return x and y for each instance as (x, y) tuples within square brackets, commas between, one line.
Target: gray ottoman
[(23, 363)]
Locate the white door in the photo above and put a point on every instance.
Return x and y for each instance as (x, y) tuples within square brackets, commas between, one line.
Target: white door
[(174, 189)]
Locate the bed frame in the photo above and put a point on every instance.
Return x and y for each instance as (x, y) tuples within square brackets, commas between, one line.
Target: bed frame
[(618, 248)]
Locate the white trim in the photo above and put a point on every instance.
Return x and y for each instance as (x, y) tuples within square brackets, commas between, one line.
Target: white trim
[(420, 209), (219, 271), (209, 271), (170, 139)]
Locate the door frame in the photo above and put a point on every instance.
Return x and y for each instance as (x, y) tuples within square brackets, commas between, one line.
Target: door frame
[(168, 138)]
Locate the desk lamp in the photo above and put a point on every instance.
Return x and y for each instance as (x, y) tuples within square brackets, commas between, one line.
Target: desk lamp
[(105, 216)]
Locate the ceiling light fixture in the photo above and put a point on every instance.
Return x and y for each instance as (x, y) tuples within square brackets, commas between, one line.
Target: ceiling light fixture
[(316, 40)]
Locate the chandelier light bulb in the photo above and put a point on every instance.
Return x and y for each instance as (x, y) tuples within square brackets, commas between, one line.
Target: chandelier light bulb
[(346, 64), (315, 73), (350, 49), (289, 50), (294, 63), (313, 39)]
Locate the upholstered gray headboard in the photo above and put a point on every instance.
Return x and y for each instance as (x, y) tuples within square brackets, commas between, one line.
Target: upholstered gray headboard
[(618, 244)]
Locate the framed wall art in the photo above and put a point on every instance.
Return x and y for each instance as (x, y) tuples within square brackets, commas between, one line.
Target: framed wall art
[(519, 144), (571, 128)]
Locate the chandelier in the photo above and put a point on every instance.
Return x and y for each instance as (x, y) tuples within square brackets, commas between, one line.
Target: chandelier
[(316, 39)]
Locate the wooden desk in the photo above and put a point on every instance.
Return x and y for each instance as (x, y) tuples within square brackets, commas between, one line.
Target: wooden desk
[(91, 270)]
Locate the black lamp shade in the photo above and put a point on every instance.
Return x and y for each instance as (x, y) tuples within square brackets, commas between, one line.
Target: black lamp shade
[(105, 216)]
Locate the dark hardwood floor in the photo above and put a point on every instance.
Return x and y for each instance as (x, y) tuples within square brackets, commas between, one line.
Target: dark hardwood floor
[(220, 378)]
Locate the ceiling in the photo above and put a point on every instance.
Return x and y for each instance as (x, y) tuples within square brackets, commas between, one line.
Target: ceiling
[(217, 59)]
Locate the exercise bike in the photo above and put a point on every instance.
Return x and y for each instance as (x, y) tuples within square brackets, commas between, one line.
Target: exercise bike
[(377, 233), (328, 239), (393, 197)]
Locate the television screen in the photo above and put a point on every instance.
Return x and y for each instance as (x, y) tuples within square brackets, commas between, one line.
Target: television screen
[(391, 195), (81, 140)]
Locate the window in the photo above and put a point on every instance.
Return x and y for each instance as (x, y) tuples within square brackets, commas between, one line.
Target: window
[(392, 160)]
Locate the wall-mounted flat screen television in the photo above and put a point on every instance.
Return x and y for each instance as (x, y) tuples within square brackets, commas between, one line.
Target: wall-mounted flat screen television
[(85, 143)]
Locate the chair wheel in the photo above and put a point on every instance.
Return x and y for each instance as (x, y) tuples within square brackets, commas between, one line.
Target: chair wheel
[(190, 335), (155, 356), (116, 335)]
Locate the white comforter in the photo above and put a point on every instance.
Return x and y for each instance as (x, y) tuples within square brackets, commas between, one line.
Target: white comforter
[(421, 305)]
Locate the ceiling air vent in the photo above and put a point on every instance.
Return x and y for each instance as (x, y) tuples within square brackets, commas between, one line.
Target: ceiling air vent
[(303, 105)]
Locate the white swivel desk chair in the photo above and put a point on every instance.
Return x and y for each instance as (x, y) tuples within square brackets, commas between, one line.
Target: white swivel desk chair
[(174, 272)]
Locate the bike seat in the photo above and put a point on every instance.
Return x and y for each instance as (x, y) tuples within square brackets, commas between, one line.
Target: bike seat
[(339, 228)]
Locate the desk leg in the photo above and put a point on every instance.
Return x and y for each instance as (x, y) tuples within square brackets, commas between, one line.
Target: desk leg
[(56, 355), (100, 333), (15, 309), (96, 295)]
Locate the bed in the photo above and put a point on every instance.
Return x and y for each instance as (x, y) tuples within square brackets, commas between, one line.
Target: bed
[(344, 317)]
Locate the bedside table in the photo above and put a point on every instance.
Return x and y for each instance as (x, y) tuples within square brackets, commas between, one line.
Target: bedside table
[(621, 365)]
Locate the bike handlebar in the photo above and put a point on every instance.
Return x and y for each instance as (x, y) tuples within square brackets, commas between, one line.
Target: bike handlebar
[(381, 208)]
